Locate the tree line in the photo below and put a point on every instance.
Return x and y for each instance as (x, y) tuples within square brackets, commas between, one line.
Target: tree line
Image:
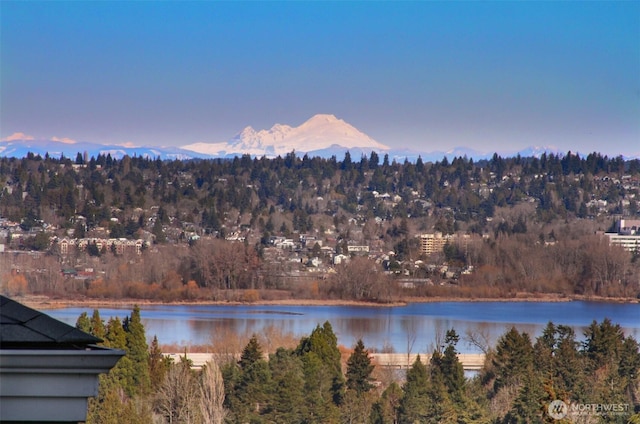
[(317, 381), (207, 191)]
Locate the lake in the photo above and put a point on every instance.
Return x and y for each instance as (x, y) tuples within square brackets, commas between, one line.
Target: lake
[(377, 326)]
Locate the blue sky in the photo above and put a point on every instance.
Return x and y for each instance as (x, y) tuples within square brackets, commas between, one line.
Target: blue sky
[(494, 75)]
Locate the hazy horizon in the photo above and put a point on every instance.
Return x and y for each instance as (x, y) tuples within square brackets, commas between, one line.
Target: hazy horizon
[(490, 76)]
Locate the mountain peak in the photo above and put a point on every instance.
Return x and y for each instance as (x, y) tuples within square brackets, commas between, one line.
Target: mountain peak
[(323, 117), (320, 132)]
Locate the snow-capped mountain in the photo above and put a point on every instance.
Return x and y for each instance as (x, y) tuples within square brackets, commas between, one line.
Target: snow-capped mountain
[(321, 136), (56, 149), (322, 132), (537, 151)]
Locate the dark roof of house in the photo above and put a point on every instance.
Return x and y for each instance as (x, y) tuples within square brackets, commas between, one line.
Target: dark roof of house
[(25, 328)]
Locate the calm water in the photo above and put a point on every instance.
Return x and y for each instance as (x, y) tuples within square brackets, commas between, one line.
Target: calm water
[(394, 326)]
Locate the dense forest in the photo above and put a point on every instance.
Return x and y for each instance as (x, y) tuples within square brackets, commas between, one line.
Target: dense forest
[(206, 191), (313, 380), (207, 227)]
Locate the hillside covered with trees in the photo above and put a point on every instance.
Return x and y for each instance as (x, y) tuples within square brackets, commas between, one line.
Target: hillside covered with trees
[(256, 228)]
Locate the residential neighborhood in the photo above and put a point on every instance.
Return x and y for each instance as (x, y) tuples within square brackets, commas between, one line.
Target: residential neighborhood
[(303, 219)]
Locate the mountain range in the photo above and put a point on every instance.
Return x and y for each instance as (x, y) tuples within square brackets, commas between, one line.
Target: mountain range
[(19, 148), (322, 135)]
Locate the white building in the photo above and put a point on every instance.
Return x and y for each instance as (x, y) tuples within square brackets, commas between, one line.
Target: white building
[(627, 242), (627, 235)]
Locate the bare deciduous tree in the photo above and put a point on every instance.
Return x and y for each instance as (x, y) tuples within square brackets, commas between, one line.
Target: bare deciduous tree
[(360, 279), (480, 339), (412, 335), (177, 397), (225, 265), (212, 394)]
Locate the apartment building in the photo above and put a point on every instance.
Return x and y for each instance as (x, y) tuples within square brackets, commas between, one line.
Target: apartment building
[(431, 243), (627, 235)]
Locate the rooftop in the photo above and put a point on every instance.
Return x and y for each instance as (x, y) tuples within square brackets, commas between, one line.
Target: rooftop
[(24, 328)]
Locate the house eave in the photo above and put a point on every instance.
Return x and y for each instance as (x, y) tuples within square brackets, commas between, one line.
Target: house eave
[(51, 385)]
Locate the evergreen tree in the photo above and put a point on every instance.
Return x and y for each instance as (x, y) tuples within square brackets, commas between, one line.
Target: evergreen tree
[(358, 398), (121, 375), (286, 400), (630, 360), (543, 350), (97, 325), (107, 407), (158, 232), (84, 323), (247, 385), (158, 364), (569, 366), (115, 336), (603, 343), (529, 405), (318, 390), (451, 367), (324, 344), (251, 353), (346, 162), (231, 376), (359, 369), (415, 401), (92, 249), (114, 409), (252, 390), (387, 409), (513, 358), (137, 351), (613, 360), (440, 408)]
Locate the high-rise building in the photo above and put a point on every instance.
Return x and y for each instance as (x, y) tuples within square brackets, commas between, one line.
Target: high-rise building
[(433, 242)]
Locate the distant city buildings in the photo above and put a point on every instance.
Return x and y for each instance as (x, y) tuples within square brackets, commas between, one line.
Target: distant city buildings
[(119, 246), (433, 242), (627, 235)]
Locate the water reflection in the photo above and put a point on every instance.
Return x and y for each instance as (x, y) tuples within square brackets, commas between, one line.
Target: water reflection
[(415, 327)]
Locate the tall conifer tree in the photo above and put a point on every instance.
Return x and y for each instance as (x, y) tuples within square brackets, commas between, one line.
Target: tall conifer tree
[(359, 369), (324, 381), (97, 325), (451, 367), (415, 402), (84, 323), (287, 401), (158, 364), (137, 351)]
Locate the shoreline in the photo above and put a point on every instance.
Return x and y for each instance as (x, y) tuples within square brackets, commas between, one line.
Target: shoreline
[(46, 302)]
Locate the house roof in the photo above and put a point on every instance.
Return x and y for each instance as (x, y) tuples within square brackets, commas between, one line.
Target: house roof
[(25, 328)]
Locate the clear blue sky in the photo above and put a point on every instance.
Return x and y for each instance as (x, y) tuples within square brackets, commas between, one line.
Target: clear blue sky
[(495, 75)]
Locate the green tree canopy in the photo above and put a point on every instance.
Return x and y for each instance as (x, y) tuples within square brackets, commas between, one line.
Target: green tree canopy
[(513, 358), (415, 402), (359, 369), (138, 350)]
